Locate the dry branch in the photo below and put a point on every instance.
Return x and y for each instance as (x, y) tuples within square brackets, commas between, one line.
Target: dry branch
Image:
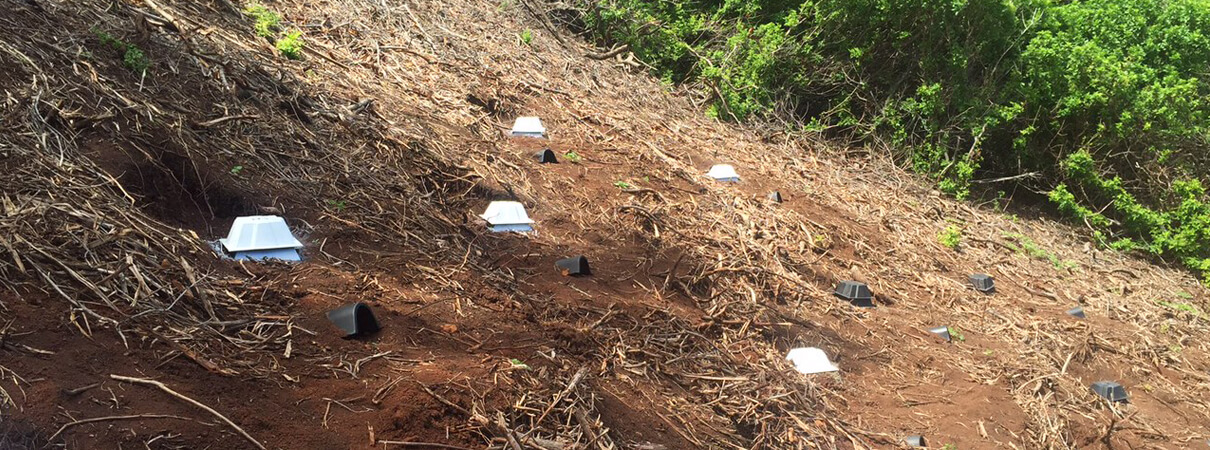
[(169, 391)]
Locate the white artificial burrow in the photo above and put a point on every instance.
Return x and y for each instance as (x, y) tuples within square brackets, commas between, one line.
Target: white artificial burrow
[(723, 172), (528, 127), (810, 360), (507, 216)]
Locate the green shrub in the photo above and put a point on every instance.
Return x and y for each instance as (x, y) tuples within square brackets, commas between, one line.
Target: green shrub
[(966, 89), (291, 45)]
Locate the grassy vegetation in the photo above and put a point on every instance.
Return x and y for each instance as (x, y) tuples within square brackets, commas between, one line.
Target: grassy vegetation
[(1024, 245), (1181, 306), (526, 36), (1103, 103), (573, 157)]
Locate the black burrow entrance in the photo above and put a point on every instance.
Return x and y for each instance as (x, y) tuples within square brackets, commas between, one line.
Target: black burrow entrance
[(546, 156), (573, 266), (179, 192)]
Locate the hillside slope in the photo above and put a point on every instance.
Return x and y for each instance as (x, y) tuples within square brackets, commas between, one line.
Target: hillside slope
[(382, 145)]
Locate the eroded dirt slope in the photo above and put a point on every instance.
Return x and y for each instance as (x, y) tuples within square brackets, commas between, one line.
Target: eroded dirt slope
[(382, 145)]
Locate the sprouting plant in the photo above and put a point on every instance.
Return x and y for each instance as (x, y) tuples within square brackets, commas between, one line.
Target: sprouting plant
[(1184, 295), (136, 60), (291, 45), (573, 157), (236, 170), (1180, 306), (505, 4), (950, 236), (956, 333), (132, 56), (339, 205), (1001, 200), (267, 21), (517, 364), (949, 447), (623, 185), (1029, 247), (821, 240), (526, 36)]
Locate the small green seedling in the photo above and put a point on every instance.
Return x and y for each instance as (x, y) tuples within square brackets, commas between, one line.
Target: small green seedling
[(949, 447), (956, 334), (236, 170), (517, 364), (291, 45), (339, 205), (132, 56), (526, 36), (573, 157), (623, 185), (950, 237)]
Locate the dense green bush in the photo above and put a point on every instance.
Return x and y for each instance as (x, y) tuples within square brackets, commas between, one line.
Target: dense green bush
[(1101, 103)]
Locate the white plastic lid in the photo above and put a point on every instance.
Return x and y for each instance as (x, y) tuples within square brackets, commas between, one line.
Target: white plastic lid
[(259, 233), (528, 125), (506, 213), (810, 360), (722, 172)]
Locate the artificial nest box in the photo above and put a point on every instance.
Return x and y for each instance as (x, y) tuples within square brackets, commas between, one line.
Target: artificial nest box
[(775, 196), (355, 319), (942, 332), (914, 441), (723, 172), (810, 360), (507, 216), (576, 265), (528, 127), (261, 237), (1076, 312), (546, 156), (856, 293), (1110, 390), (983, 283)]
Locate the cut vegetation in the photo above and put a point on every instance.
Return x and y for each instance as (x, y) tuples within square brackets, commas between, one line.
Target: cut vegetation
[(121, 326)]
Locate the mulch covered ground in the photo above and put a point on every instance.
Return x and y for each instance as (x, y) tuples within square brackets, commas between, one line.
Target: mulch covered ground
[(382, 145)]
